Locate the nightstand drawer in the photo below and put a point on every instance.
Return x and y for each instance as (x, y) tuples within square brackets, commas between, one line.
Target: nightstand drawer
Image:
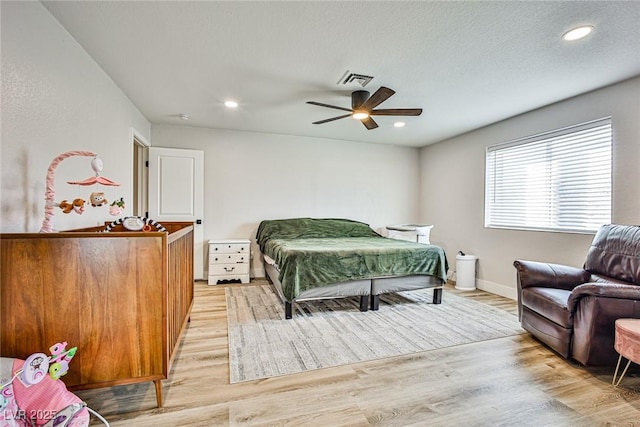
[(223, 258), (227, 269), (229, 248)]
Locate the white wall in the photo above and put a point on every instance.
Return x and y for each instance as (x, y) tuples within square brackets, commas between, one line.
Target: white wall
[(55, 99), (252, 176), (452, 186)]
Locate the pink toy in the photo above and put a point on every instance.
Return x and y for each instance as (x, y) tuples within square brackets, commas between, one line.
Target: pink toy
[(50, 194), (57, 351), (96, 165), (116, 208), (60, 359), (38, 399), (42, 403), (35, 368)]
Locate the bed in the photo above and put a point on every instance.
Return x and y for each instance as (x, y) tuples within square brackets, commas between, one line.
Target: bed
[(312, 258)]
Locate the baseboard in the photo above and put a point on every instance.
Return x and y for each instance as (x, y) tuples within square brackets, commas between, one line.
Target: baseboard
[(258, 272), (497, 288)]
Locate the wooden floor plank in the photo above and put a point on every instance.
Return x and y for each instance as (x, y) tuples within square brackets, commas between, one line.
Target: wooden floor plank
[(508, 381)]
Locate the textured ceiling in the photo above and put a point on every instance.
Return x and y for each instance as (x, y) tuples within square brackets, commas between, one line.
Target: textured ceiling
[(467, 64)]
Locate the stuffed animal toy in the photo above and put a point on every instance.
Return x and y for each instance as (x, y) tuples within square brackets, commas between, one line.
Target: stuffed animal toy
[(60, 358), (116, 207), (65, 206), (77, 206), (97, 199)]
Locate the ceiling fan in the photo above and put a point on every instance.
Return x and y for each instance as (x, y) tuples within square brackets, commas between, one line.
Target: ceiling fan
[(362, 107)]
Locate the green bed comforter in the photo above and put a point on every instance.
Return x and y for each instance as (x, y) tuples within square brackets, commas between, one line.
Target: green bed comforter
[(317, 252)]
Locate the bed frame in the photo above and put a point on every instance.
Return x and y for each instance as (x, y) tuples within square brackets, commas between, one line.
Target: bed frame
[(369, 290), (386, 285), (361, 288)]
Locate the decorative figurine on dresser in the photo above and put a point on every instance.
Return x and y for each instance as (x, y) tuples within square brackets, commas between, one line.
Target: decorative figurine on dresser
[(229, 260)]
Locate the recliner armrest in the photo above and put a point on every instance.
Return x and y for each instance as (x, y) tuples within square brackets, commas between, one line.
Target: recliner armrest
[(604, 290), (546, 275)]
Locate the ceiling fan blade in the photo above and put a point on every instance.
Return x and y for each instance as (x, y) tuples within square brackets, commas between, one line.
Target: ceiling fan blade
[(377, 98), (320, 104), (397, 112), (331, 119), (369, 123)]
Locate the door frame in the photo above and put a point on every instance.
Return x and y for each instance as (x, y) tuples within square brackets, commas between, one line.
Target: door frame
[(140, 179)]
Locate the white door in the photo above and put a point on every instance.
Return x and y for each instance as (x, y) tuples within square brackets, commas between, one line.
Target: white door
[(176, 192)]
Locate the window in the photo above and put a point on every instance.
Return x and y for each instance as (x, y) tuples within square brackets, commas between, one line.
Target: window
[(555, 181)]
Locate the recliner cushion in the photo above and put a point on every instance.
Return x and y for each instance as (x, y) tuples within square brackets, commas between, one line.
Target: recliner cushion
[(614, 253), (550, 333), (550, 303)]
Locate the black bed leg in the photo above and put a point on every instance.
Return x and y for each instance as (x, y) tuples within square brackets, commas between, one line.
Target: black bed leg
[(364, 302), (375, 302), (437, 296), (288, 310)]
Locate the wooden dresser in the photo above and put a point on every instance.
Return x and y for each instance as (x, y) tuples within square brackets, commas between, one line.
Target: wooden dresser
[(123, 298)]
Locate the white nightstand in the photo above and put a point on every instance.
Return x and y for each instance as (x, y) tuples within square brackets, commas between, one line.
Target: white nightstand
[(413, 232), (229, 259)]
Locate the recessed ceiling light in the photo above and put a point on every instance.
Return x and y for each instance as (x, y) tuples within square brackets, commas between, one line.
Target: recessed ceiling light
[(184, 116), (231, 104), (398, 124), (577, 33)]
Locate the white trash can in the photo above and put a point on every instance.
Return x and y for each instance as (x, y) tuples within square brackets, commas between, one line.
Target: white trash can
[(466, 272)]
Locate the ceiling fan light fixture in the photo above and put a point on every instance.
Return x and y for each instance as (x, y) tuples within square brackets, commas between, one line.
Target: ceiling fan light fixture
[(360, 115), (399, 124), (577, 33), (231, 104), (363, 108)]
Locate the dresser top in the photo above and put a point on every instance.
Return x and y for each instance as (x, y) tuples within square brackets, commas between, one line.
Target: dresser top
[(219, 241)]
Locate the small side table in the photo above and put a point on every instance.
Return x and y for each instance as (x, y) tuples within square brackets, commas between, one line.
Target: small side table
[(229, 259), (411, 232), (627, 344)]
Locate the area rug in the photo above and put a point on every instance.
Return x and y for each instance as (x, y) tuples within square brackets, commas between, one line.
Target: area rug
[(326, 333)]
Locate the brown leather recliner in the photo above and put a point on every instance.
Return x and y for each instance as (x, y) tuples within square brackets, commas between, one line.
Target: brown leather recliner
[(574, 310)]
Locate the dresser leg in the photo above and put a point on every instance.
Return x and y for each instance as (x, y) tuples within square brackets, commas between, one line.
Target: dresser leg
[(158, 384)]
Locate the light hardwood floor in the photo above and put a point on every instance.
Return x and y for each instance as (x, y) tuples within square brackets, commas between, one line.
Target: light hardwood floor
[(513, 381)]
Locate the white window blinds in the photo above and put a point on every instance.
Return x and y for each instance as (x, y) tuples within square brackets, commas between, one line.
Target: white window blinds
[(556, 181)]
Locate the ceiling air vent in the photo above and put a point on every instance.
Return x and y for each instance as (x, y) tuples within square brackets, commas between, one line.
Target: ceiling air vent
[(350, 77)]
